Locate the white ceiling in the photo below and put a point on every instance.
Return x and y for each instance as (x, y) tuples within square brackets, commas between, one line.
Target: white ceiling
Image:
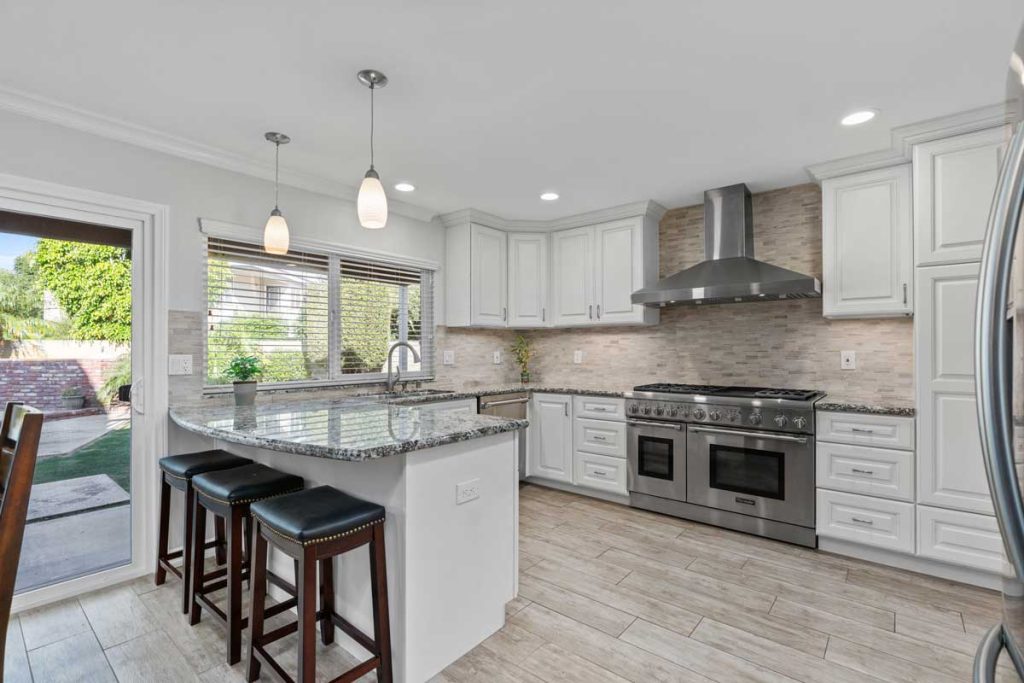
[(491, 103)]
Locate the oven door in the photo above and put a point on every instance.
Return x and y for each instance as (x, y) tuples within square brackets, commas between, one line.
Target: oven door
[(657, 459), (753, 473)]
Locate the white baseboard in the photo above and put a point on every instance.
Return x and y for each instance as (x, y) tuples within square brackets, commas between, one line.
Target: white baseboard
[(581, 490), (922, 565)]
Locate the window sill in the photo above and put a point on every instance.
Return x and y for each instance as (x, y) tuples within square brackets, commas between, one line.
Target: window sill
[(315, 385)]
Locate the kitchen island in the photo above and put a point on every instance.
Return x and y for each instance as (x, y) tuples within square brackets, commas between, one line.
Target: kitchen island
[(449, 482)]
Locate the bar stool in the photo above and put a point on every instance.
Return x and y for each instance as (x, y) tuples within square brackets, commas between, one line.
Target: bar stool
[(313, 526), (176, 471), (228, 495)]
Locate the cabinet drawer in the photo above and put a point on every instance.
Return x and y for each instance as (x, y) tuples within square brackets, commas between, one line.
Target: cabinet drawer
[(872, 471), (599, 407), (600, 472), (962, 538), (861, 429), (862, 519), (601, 437)]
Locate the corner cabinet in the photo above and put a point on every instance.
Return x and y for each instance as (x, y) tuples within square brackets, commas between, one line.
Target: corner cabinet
[(550, 454), (867, 244), (551, 275)]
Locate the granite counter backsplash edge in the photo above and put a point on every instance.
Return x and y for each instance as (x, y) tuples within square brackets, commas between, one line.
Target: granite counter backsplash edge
[(865, 408)]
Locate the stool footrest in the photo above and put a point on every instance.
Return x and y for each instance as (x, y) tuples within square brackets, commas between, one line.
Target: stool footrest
[(280, 607), (265, 658), (358, 671), (354, 633)]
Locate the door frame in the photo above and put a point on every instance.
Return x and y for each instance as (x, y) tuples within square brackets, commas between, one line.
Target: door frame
[(149, 223)]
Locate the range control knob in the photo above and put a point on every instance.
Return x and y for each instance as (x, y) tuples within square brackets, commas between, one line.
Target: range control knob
[(715, 415), (781, 420), (659, 411), (698, 413), (647, 410), (674, 412), (733, 415), (633, 407), (755, 418), (799, 422)]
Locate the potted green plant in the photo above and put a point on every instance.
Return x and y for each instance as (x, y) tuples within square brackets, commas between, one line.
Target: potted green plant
[(72, 398), (244, 370), (521, 350)]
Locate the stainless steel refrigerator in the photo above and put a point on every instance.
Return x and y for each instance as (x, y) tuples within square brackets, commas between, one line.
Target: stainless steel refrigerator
[(999, 364)]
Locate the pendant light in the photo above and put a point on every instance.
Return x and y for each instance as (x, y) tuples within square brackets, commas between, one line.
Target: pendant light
[(275, 234), (372, 203)]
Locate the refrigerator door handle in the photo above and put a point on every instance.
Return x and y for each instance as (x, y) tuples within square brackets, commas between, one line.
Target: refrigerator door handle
[(988, 655), (993, 348)]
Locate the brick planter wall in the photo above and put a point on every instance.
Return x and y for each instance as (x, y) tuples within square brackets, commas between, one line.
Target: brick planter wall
[(39, 383)]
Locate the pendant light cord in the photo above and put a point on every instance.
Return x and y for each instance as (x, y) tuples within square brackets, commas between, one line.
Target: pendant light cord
[(277, 171), (371, 125)]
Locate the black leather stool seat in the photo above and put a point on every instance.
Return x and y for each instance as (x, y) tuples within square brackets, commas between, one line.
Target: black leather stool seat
[(188, 465), (245, 484), (317, 514)]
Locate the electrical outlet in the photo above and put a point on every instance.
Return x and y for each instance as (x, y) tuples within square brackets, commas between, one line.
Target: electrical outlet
[(467, 491), (497, 357), (848, 360), (179, 364), (448, 358), (577, 356)]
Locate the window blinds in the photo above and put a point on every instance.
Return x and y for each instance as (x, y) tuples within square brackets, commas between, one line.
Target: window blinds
[(315, 317)]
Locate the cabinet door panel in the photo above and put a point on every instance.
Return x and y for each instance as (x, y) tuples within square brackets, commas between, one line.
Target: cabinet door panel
[(618, 271), (951, 472), (551, 433), (954, 180), (866, 244), (572, 276), (489, 261), (527, 279)]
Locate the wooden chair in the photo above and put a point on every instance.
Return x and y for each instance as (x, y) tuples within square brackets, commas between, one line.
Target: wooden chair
[(19, 444)]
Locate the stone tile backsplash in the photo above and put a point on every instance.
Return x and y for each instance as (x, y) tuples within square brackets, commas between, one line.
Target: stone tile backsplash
[(782, 343)]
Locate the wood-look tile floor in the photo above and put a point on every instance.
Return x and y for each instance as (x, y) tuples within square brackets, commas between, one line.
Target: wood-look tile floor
[(607, 593)]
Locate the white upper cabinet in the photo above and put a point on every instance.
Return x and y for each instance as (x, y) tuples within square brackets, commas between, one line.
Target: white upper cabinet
[(618, 271), (489, 260), (951, 471), (954, 181), (572, 276), (867, 244), (528, 279)]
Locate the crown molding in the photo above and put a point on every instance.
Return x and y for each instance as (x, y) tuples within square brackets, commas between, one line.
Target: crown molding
[(648, 208), (903, 139), (68, 116)]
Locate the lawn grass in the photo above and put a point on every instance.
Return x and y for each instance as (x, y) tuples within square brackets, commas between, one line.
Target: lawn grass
[(110, 454)]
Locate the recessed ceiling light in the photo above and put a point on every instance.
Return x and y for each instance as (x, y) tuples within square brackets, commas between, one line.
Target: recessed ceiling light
[(549, 196), (858, 117), (405, 187)]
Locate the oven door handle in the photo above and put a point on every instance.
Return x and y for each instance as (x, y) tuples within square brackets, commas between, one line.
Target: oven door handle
[(761, 435), (647, 423)]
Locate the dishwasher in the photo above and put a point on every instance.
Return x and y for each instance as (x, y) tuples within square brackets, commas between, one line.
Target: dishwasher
[(513, 406)]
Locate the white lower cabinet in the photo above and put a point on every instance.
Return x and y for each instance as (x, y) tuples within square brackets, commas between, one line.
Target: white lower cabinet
[(602, 472), (878, 472), (871, 521), (551, 453), (962, 538), (601, 437)]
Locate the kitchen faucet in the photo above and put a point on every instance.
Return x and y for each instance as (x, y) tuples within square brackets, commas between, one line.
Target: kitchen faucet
[(398, 372)]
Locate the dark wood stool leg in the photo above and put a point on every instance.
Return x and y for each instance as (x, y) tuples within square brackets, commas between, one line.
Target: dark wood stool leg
[(327, 600), (165, 522), (198, 551), (187, 534), (306, 584), (258, 596), (220, 550), (379, 588), (234, 611)]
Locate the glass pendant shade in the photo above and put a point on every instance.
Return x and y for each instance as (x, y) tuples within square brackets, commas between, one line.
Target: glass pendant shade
[(372, 203), (275, 235)]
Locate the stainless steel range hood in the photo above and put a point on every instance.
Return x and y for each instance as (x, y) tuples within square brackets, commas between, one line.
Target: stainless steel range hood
[(729, 271)]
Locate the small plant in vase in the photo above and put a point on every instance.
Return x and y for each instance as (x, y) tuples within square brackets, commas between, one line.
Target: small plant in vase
[(521, 350), (244, 370)]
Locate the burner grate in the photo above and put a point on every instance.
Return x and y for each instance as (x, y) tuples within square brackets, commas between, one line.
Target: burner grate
[(681, 388), (792, 394)]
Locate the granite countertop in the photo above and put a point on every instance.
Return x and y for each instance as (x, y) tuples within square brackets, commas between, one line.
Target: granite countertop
[(523, 388), (836, 405), (338, 428)]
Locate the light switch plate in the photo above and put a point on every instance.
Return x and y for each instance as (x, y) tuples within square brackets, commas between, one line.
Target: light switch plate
[(448, 358), (497, 357), (179, 364), (577, 356), (848, 360)]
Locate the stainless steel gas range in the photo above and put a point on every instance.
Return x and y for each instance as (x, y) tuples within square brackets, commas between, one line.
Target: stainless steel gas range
[(736, 457)]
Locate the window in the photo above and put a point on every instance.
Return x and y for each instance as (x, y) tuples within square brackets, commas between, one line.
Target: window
[(315, 317)]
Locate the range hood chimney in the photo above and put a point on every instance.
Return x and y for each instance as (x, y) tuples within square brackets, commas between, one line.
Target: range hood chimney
[(729, 272)]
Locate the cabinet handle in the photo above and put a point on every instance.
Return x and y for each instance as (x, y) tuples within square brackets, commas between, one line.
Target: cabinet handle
[(566, 406), (904, 293), (504, 314), (858, 520), (599, 438), (856, 470), (543, 314), (861, 430), (599, 311), (590, 311), (599, 473)]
